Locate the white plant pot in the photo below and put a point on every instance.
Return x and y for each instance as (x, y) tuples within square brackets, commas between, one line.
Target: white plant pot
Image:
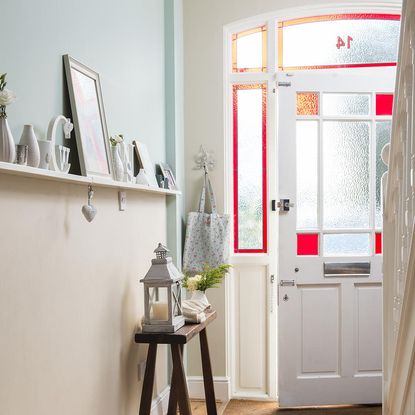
[(7, 145), (29, 138), (117, 167), (201, 298)]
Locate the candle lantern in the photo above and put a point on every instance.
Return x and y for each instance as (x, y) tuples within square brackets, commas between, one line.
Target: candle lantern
[(162, 295)]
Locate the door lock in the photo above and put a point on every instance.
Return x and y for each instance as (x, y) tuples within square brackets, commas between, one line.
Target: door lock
[(285, 298), (283, 205)]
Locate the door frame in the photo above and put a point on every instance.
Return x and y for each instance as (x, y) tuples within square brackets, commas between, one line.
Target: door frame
[(270, 260)]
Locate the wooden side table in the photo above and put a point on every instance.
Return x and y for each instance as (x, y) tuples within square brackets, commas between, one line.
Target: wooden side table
[(178, 391)]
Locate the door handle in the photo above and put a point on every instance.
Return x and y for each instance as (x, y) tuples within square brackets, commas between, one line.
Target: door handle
[(287, 283)]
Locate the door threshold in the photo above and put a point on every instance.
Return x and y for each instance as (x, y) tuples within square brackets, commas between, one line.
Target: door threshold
[(307, 408)]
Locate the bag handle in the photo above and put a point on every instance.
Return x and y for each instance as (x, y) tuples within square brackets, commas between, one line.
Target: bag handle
[(202, 202)]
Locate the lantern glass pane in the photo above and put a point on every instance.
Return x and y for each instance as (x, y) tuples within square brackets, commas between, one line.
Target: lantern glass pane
[(176, 300), (159, 304)]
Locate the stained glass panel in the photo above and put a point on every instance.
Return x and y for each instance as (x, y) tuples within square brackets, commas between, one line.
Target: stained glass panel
[(346, 244), (307, 103), (339, 41), (307, 174), (378, 243), (250, 168), (384, 104), (307, 244), (249, 50)]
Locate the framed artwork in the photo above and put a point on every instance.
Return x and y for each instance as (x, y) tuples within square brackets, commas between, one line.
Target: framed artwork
[(89, 118), (145, 162), (167, 172)]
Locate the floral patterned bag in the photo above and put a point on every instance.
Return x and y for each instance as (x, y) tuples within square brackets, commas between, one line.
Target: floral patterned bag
[(207, 235)]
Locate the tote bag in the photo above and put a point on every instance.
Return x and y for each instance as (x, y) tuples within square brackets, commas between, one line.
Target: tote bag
[(207, 235)]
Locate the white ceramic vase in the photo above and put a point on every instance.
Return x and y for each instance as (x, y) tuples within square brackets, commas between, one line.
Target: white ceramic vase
[(201, 298), (117, 166), (29, 138), (7, 146), (45, 148)]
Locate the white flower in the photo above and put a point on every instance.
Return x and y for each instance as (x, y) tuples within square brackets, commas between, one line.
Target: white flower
[(118, 138), (193, 282), (7, 97)]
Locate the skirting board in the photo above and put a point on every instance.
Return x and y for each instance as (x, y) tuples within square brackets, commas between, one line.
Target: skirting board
[(197, 391), (161, 402)]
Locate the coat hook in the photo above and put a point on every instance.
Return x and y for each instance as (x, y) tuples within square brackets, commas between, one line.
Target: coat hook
[(204, 160)]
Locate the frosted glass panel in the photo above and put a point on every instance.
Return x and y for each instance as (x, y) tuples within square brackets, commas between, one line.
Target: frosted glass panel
[(250, 168), (346, 174), (346, 104), (383, 136), (249, 50), (307, 176), (346, 244), (337, 42)]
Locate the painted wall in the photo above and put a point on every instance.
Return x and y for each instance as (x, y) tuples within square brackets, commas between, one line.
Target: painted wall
[(204, 116), (69, 292)]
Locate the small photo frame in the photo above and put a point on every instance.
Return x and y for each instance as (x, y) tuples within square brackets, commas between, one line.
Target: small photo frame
[(168, 174), (145, 162), (89, 118)]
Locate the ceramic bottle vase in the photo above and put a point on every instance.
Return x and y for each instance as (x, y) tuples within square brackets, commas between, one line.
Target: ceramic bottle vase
[(117, 166), (29, 138), (7, 146)]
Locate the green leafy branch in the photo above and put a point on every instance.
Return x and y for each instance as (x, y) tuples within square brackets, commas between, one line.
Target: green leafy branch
[(3, 82), (210, 277)]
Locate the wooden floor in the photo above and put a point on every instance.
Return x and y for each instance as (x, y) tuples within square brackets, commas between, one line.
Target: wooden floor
[(243, 407)]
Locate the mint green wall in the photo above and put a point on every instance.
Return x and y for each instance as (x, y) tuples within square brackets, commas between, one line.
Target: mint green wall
[(123, 41)]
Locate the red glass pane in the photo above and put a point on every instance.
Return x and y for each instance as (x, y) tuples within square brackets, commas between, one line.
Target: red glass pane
[(307, 103), (378, 243), (384, 104), (307, 243)]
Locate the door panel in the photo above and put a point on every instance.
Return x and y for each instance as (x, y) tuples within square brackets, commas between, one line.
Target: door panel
[(330, 326)]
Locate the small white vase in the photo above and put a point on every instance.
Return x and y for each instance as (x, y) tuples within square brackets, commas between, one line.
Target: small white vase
[(7, 146), (29, 138), (45, 148), (117, 167), (201, 298)]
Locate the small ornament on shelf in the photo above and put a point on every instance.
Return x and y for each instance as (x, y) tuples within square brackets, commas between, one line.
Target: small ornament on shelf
[(117, 166), (7, 145)]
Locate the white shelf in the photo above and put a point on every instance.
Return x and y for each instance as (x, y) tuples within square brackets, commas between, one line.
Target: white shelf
[(26, 171)]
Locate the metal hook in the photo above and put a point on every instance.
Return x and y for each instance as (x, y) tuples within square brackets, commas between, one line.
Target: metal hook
[(204, 160)]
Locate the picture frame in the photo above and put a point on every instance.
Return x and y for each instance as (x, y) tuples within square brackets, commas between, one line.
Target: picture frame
[(89, 120), (168, 174), (145, 162)]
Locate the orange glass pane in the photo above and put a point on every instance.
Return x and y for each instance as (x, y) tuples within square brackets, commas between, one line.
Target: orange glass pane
[(307, 103), (249, 50)]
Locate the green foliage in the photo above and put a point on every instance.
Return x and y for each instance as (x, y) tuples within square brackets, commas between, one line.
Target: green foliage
[(209, 278)]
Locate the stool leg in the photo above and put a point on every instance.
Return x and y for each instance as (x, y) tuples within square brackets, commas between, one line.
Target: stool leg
[(147, 392), (207, 374), (180, 385), (172, 409)]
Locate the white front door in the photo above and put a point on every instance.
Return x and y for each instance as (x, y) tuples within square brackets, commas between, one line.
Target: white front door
[(331, 127)]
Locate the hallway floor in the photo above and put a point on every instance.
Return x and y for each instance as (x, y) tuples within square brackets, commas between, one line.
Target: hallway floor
[(243, 407)]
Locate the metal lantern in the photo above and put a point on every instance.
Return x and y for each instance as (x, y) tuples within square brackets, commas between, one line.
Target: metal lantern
[(162, 295)]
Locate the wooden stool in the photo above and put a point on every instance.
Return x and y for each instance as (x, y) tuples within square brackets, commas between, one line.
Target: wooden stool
[(178, 391)]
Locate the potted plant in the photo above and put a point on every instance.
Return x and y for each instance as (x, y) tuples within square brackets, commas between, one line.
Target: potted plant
[(210, 277)]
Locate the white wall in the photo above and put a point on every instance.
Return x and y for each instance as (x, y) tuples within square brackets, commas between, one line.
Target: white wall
[(69, 292), (204, 115)]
